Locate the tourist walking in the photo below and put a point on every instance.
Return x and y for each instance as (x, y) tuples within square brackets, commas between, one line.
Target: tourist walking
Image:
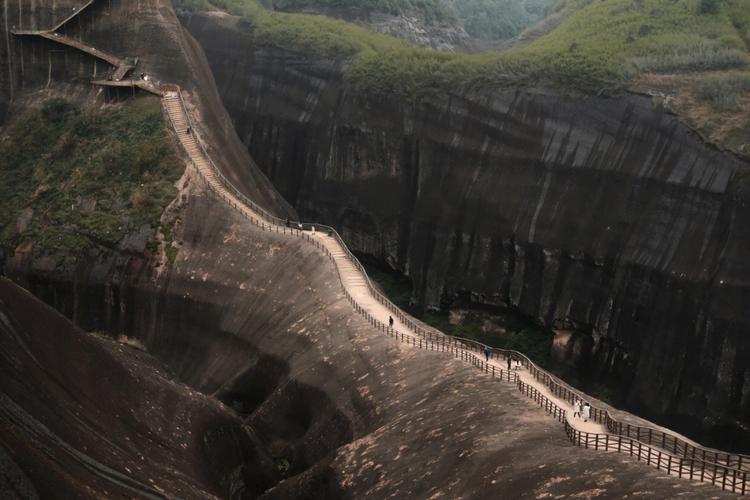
[(487, 353), (586, 412), (577, 409), (509, 362), (313, 230), (390, 322)]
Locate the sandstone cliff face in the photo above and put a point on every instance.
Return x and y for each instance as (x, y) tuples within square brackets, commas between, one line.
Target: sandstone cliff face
[(603, 211), (148, 30), (259, 322)]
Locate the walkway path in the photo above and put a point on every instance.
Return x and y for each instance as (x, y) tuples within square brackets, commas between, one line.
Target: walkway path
[(122, 66), (538, 385), (726, 470), (75, 13), (356, 285)]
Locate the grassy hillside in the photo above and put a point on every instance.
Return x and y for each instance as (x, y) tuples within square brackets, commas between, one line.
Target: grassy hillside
[(602, 43), (482, 19), (499, 19), (431, 11), (79, 181)]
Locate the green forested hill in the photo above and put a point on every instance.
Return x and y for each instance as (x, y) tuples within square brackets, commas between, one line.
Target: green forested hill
[(482, 19), (500, 19), (431, 11), (597, 43)]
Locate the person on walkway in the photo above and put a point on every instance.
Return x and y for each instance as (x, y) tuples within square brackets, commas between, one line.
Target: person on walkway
[(487, 353), (586, 412), (187, 131), (390, 322), (299, 226), (577, 409), (509, 362), (288, 222), (313, 230)]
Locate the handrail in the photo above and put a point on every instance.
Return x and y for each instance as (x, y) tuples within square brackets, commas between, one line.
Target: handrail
[(426, 337), (558, 387), (728, 478), (73, 16)]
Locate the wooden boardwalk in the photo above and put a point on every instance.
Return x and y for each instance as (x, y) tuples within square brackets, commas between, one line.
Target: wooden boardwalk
[(74, 13), (122, 66), (663, 449), (529, 379)]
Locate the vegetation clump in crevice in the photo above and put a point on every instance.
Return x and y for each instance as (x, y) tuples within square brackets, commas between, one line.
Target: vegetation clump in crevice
[(78, 182)]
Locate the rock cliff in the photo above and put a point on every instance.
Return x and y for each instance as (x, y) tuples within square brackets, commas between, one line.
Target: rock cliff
[(147, 30), (605, 212), (294, 384)]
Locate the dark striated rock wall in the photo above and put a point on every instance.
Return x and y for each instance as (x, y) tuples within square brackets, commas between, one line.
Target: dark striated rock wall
[(604, 211), (259, 322)]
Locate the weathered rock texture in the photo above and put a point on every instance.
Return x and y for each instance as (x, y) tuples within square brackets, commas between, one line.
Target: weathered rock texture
[(259, 321), (603, 211), (82, 416), (147, 30)]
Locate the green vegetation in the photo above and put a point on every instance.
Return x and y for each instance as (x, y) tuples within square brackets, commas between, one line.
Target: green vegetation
[(500, 19), (84, 179), (504, 329), (598, 44), (723, 91), (431, 11), (500, 328), (393, 284), (507, 330), (709, 7), (482, 19)]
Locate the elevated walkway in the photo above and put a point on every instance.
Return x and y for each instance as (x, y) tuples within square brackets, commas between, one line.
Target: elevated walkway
[(122, 66), (148, 86), (658, 447), (76, 12), (600, 432)]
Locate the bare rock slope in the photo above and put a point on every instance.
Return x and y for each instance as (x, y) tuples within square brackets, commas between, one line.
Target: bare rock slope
[(603, 212), (339, 410)]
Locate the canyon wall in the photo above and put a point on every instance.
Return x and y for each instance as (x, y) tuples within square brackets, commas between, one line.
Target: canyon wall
[(293, 385), (602, 211)]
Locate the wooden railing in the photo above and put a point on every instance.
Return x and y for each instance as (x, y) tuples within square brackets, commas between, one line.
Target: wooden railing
[(543, 401), (675, 445), (703, 464), (728, 478)]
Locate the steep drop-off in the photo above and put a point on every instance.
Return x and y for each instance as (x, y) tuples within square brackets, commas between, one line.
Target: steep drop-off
[(603, 211), (258, 321), (146, 30), (85, 417)]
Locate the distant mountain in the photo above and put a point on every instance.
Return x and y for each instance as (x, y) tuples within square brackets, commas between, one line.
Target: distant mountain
[(452, 25)]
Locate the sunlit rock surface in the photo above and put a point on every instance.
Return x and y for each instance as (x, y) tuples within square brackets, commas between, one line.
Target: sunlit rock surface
[(603, 211), (311, 392)]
